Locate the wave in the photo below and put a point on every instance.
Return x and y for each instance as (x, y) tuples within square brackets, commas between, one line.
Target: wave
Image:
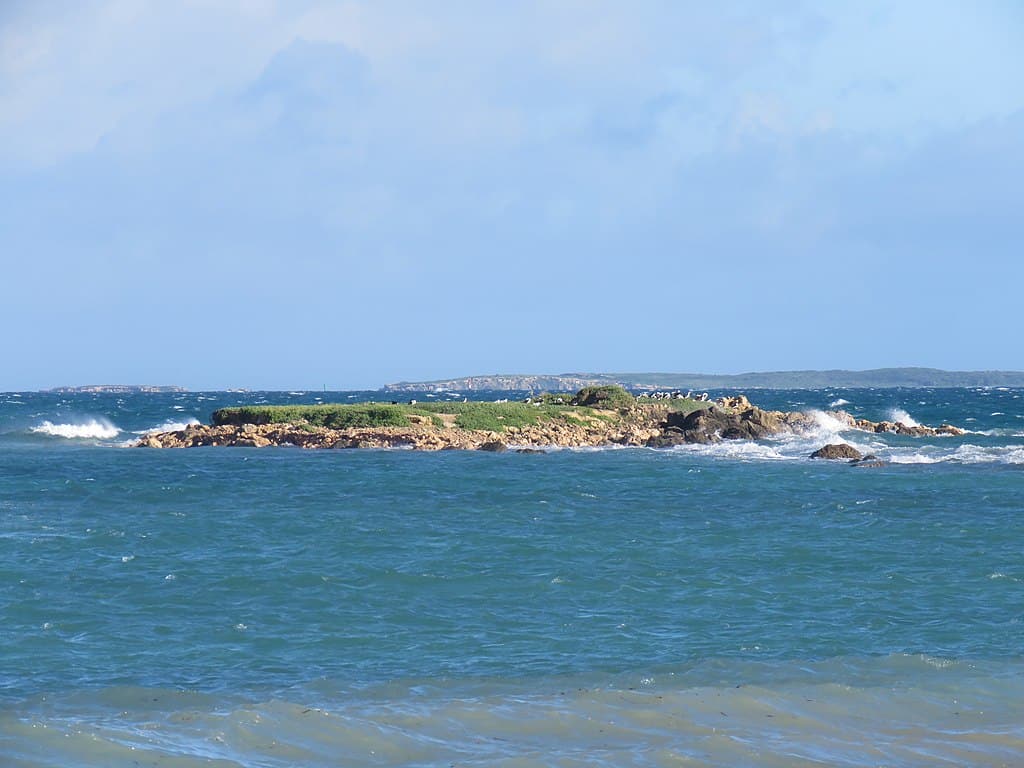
[(900, 416), (93, 429), (838, 402), (964, 454), (723, 712), (827, 425), (168, 426)]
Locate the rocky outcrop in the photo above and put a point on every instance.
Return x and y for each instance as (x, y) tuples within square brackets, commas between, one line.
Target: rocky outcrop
[(911, 430), (652, 425), (838, 451), (717, 423)]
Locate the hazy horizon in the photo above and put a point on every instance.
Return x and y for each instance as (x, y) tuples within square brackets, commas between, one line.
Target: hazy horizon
[(694, 374)]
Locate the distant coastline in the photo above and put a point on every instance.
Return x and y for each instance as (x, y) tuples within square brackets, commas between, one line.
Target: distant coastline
[(117, 389), (570, 382)]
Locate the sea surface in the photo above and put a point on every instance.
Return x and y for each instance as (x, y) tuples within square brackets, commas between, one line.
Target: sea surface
[(731, 605)]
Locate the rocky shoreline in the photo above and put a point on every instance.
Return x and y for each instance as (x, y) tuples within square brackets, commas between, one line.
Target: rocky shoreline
[(642, 425)]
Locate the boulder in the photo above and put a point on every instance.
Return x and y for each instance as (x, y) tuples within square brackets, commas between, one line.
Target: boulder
[(868, 461), (673, 436), (837, 451), (494, 446), (737, 403)]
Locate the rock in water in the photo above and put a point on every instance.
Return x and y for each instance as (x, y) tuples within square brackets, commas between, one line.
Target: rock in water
[(868, 461), (494, 446), (837, 451)]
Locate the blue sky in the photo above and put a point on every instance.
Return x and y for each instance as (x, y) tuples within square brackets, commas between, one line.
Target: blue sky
[(221, 193)]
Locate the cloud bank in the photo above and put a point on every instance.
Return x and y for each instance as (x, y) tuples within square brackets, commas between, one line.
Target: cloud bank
[(400, 190)]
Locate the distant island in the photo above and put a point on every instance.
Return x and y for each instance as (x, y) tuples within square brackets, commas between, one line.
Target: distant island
[(116, 389), (570, 382), (595, 416)]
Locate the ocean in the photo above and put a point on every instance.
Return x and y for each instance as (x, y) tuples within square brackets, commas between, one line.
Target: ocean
[(729, 605)]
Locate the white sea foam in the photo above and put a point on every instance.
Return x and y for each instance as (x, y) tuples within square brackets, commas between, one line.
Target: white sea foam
[(768, 714), (95, 429), (964, 454), (838, 402), (743, 450), (827, 425), (168, 426), (900, 416)]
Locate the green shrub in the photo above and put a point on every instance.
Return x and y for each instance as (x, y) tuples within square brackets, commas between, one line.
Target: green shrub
[(605, 396), (493, 417), (554, 398), (333, 416)]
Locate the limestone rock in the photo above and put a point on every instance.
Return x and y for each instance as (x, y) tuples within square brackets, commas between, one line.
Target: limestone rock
[(837, 451)]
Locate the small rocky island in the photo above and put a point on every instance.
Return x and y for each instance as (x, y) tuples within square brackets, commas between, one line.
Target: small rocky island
[(594, 416)]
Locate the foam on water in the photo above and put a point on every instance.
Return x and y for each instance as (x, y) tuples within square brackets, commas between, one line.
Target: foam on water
[(963, 454), (827, 425), (95, 429), (839, 402), (900, 416), (902, 710), (168, 426), (743, 450)]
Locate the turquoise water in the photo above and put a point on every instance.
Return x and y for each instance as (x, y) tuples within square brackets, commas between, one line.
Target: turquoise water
[(727, 605)]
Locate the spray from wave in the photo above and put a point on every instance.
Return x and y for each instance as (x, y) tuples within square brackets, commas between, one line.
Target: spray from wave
[(827, 425), (964, 454), (93, 429), (902, 417), (168, 426)]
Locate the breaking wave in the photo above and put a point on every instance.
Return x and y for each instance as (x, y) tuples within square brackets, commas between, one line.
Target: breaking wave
[(902, 417), (94, 429), (964, 454), (838, 402), (168, 426), (827, 425)]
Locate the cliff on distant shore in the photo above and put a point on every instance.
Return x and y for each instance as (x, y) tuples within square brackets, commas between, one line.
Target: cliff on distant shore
[(570, 382), (596, 416)]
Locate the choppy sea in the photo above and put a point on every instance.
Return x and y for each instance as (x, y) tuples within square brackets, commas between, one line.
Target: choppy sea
[(732, 605)]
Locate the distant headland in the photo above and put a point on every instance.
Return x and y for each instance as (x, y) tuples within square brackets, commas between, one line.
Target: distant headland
[(570, 382), (116, 389)]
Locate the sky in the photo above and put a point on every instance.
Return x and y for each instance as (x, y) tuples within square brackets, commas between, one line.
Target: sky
[(305, 194)]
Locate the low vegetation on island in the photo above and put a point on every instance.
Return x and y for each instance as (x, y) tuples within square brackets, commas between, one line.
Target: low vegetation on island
[(589, 403)]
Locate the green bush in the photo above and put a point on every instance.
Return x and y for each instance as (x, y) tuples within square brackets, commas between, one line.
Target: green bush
[(493, 417), (605, 396), (333, 416), (553, 398)]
